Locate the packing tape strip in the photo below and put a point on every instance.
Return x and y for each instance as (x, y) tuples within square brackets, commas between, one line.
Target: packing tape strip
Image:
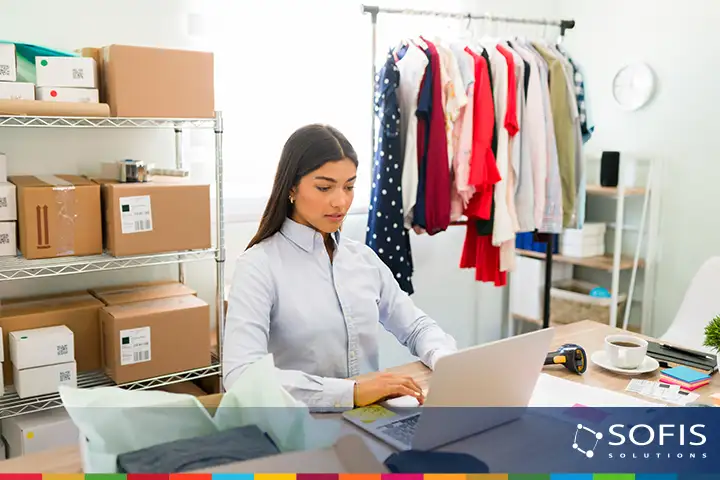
[(65, 220)]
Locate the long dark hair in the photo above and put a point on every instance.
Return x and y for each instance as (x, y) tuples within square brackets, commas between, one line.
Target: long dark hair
[(307, 149)]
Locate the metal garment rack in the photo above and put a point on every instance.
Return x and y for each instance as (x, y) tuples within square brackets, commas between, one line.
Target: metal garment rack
[(18, 268), (564, 25)]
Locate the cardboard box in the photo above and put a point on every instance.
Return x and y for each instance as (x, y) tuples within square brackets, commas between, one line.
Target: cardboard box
[(58, 215), (39, 431), (185, 388), (31, 382), (8, 62), (121, 294), (77, 310), (68, 94), (8, 202), (17, 91), (144, 340), (41, 346), (154, 217), (8, 239), (158, 82), (78, 72)]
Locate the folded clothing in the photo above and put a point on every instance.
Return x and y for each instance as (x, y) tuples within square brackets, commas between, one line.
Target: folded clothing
[(229, 446)]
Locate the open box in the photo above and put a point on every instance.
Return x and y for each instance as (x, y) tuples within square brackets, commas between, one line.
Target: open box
[(349, 454)]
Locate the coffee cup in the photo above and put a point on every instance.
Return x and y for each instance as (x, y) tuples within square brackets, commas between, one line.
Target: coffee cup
[(625, 351)]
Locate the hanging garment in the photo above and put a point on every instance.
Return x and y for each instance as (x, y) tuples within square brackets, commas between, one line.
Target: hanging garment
[(564, 131), (411, 63), (424, 113), (455, 97), (386, 234), (461, 191), (437, 169), (534, 140)]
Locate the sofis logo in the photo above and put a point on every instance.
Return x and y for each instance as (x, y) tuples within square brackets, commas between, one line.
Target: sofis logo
[(644, 441)]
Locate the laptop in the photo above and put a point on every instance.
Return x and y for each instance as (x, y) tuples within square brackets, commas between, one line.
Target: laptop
[(502, 373)]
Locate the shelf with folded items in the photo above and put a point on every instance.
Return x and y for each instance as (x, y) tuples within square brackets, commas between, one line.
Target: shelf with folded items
[(601, 191), (18, 268), (11, 405), (602, 262), (105, 122)]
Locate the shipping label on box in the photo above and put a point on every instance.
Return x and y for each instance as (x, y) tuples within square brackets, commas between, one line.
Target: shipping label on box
[(8, 62), (68, 94), (136, 214), (135, 346), (17, 91), (8, 241), (41, 346), (8, 202), (66, 72), (31, 382)]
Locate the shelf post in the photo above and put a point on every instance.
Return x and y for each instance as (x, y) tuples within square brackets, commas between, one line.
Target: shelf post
[(220, 233), (179, 165), (619, 221)]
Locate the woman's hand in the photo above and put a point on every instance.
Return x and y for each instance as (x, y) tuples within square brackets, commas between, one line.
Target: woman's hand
[(386, 385)]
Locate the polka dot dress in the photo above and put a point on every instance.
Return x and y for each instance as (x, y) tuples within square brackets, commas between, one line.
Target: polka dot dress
[(386, 234)]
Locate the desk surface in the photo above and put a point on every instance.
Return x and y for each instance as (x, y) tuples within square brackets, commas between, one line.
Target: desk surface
[(590, 335)]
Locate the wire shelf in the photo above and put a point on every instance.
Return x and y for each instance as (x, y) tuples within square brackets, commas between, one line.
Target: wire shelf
[(17, 268), (11, 405), (105, 122)]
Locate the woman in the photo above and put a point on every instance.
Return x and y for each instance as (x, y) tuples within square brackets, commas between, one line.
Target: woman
[(315, 298)]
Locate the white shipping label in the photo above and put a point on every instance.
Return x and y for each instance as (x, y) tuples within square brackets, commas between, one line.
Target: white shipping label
[(65, 376), (136, 214), (135, 346)]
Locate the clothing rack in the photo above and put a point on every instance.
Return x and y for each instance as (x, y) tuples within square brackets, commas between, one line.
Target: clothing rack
[(374, 11)]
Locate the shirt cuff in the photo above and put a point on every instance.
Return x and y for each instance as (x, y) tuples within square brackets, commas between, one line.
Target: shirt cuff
[(339, 393)]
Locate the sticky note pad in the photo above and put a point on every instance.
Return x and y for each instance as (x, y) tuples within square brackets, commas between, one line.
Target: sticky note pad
[(370, 413), (685, 374)]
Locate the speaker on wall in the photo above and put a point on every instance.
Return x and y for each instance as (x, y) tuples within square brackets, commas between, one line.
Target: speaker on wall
[(609, 169)]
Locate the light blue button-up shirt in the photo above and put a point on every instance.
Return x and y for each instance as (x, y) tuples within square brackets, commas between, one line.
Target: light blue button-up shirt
[(320, 319)]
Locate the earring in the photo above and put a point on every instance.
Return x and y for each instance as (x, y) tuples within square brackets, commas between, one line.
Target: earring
[(292, 200)]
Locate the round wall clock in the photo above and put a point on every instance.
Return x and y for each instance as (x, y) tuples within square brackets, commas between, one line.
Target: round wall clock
[(634, 86)]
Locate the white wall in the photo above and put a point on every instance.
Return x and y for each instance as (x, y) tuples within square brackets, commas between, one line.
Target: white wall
[(470, 311), (679, 40)]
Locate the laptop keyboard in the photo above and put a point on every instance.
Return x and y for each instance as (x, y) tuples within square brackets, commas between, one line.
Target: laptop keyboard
[(401, 430)]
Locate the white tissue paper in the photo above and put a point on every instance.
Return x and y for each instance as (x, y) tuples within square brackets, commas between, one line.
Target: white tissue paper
[(111, 423)]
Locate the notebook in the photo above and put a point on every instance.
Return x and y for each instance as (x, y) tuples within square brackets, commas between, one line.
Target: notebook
[(685, 374), (670, 356)]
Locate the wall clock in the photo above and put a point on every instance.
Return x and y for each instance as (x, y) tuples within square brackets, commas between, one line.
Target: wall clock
[(634, 86)]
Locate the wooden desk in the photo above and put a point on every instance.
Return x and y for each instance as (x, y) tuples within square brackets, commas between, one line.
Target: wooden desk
[(590, 335)]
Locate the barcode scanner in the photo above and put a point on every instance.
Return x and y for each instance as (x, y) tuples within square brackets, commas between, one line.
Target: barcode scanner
[(572, 356)]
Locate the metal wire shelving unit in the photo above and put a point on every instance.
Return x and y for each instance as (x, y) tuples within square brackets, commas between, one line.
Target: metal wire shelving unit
[(18, 268)]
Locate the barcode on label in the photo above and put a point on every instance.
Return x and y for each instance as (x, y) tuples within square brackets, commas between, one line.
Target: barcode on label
[(65, 376), (3, 202), (78, 74), (62, 350), (5, 70), (141, 356), (4, 239), (142, 225)]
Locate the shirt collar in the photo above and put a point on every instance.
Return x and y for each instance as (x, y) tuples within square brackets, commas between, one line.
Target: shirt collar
[(305, 237)]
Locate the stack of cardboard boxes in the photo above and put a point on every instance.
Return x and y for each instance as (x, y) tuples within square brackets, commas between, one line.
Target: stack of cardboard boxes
[(66, 79), (42, 360), (8, 212)]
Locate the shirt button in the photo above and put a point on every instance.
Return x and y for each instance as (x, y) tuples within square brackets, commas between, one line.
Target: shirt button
[(352, 354)]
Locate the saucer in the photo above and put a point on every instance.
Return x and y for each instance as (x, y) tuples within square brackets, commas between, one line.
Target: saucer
[(648, 365)]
